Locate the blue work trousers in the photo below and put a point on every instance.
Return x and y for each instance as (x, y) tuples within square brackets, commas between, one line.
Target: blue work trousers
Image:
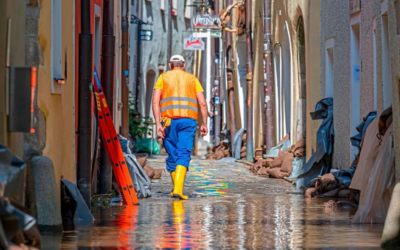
[(178, 142)]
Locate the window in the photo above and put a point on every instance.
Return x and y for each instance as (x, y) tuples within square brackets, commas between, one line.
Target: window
[(162, 4), (188, 9), (397, 7), (375, 68), (387, 74), (355, 67), (174, 7), (56, 47)]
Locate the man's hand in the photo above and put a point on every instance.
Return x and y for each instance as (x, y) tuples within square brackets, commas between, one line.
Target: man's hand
[(160, 131), (203, 130)]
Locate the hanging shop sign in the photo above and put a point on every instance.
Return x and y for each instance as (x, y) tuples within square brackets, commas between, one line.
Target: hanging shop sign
[(205, 22), (193, 43), (216, 34), (146, 35)]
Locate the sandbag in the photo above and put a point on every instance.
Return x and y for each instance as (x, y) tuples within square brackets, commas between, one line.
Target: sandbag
[(287, 163), (157, 174), (277, 173), (149, 171)]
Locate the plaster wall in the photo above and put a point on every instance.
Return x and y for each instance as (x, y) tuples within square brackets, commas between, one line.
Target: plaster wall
[(289, 12), (58, 109), (336, 24), (394, 44), (15, 11)]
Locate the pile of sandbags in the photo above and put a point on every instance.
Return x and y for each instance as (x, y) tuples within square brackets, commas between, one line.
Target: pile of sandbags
[(219, 152), (280, 160), (327, 186), (243, 150)]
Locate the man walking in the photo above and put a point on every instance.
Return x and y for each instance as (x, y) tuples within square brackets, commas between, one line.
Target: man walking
[(177, 95)]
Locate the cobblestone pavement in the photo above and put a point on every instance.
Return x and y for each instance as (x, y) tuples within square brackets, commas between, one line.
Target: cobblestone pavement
[(229, 208)]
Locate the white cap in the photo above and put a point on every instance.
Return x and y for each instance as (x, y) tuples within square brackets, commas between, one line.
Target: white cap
[(177, 58)]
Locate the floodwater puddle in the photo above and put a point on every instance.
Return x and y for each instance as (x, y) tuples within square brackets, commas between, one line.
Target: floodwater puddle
[(281, 222)]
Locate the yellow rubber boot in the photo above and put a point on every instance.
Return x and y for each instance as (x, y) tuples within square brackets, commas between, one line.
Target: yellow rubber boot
[(173, 183), (180, 175)]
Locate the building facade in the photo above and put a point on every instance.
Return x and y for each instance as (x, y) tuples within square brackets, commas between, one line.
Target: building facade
[(295, 44), (358, 47)]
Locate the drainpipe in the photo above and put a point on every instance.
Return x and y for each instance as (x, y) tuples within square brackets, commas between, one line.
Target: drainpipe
[(268, 77), (107, 80), (125, 68), (169, 34), (138, 71), (249, 80), (85, 103), (229, 76), (217, 82)]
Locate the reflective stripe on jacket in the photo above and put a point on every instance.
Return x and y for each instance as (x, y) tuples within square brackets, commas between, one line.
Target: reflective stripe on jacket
[(178, 98)]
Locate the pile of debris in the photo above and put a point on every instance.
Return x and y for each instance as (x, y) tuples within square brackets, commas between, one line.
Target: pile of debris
[(220, 151), (369, 182), (282, 160)]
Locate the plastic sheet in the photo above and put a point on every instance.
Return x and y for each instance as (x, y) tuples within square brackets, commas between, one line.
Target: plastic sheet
[(237, 143), (362, 129), (320, 162), (346, 176), (139, 177), (12, 175), (274, 151), (298, 165), (82, 212), (140, 180), (378, 185), (12, 181)]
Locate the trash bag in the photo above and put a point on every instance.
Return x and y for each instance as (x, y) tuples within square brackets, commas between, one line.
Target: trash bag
[(320, 162), (147, 145)]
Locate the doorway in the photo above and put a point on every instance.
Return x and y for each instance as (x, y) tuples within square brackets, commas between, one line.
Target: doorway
[(355, 82), (286, 81), (150, 81), (301, 103)]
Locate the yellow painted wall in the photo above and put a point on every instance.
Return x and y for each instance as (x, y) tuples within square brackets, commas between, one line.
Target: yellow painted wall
[(58, 109)]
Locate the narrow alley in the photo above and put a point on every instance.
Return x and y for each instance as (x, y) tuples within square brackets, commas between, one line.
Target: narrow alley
[(229, 208), (199, 124)]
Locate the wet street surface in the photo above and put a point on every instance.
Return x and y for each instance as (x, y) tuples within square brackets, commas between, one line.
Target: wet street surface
[(229, 208)]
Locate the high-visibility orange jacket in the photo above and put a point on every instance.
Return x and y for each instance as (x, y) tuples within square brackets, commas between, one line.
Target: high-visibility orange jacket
[(178, 96)]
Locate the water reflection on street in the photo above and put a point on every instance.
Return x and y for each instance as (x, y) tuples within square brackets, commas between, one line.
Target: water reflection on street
[(229, 208), (271, 222)]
